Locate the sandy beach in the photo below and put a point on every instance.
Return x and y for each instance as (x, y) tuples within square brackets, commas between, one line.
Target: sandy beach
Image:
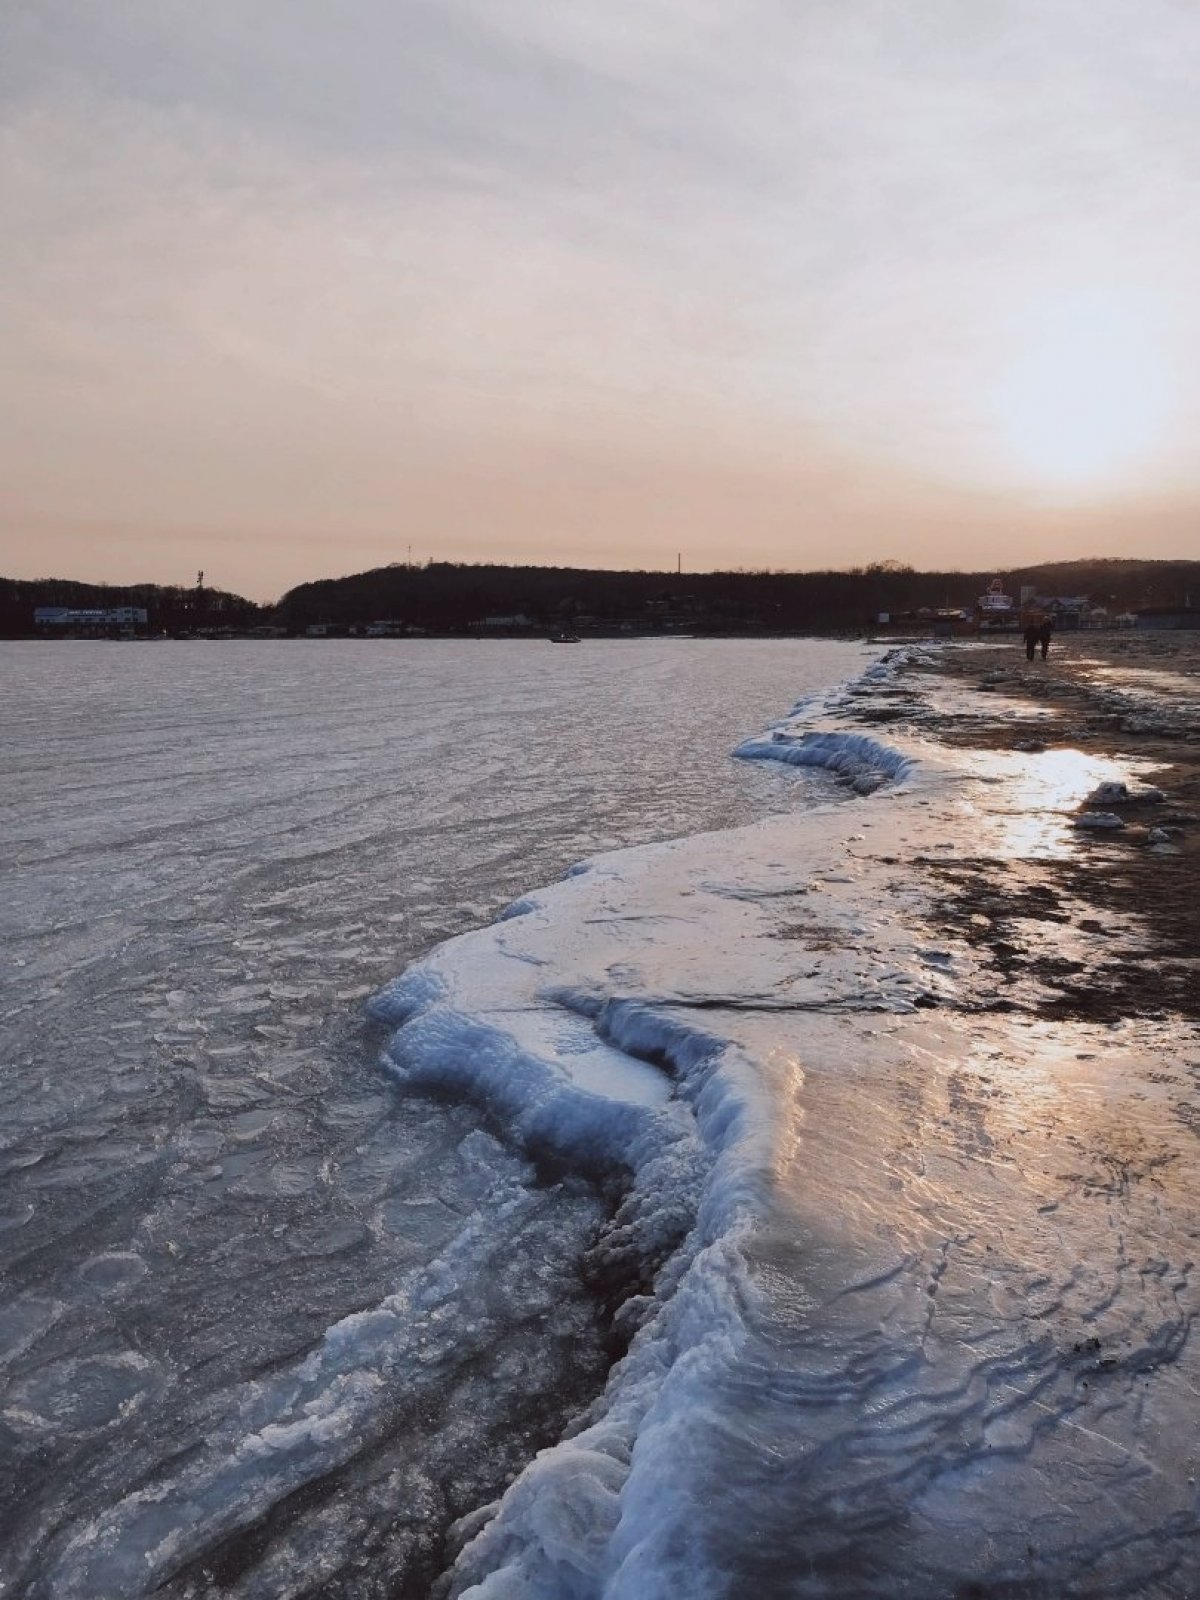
[(1133, 700)]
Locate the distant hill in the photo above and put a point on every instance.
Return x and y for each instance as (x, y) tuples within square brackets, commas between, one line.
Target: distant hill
[(447, 597), (171, 609)]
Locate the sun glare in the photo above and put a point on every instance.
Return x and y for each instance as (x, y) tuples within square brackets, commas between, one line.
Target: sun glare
[(1085, 395)]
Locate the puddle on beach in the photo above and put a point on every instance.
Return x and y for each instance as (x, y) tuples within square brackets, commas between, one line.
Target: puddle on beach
[(1023, 805)]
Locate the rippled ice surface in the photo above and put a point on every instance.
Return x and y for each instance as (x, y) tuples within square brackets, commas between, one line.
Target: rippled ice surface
[(208, 855)]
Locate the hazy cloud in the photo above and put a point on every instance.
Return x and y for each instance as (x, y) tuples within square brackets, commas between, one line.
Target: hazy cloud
[(309, 282)]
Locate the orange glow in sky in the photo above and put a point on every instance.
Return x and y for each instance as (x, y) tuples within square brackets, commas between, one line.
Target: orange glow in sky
[(766, 284)]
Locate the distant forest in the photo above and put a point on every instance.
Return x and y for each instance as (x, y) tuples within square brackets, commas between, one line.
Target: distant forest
[(170, 609), (445, 597)]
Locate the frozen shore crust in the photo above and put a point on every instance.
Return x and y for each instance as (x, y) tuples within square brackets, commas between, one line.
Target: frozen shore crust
[(891, 1347), (917, 1275), (580, 1024)]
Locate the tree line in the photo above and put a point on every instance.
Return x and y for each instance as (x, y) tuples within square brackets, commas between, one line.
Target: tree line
[(450, 597), (446, 596), (170, 608)]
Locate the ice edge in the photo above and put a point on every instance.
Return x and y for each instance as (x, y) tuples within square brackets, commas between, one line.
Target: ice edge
[(697, 1167)]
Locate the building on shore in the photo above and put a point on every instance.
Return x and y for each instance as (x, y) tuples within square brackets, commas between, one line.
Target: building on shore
[(90, 620), (996, 611), (514, 622)]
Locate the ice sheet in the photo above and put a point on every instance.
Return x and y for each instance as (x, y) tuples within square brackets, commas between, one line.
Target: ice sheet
[(209, 855), (922, 1282), (906, 1280)]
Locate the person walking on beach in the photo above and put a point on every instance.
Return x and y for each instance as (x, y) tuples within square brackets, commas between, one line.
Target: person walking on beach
[(1044, 633), (1032, 635)]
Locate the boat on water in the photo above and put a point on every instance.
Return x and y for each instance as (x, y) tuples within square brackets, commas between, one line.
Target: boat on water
[(565, 638)]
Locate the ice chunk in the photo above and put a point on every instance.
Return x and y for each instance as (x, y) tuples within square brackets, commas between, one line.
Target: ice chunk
[(1115, 793), (1106, 794), (863, 762)]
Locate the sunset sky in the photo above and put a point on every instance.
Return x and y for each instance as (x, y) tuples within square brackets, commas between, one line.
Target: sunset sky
[(290, 286)]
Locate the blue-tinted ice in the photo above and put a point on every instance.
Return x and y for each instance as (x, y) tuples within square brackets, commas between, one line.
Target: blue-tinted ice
[(209, 856)]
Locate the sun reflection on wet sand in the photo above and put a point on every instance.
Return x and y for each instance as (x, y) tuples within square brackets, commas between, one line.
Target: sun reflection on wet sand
[(1024, 804), (1138, 677), (1050, 1069)]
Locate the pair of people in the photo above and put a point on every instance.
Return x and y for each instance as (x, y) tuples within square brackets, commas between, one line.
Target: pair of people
[(1037, 633)]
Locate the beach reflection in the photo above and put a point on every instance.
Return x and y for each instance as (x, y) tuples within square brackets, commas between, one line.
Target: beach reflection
[(1049, 1073), (1179, 682), (1025, 803)]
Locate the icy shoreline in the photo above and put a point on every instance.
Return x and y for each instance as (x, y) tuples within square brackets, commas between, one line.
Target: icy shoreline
[(211, 1188), (572, 1022), (903, 1268), (710, 1017)]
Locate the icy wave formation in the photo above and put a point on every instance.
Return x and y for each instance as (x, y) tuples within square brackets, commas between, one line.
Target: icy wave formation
[(907, 1289), (862, 761), (579, 1022), (802, 740)]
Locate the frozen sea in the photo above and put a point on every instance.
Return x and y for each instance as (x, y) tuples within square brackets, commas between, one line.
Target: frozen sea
[(271, 1321)]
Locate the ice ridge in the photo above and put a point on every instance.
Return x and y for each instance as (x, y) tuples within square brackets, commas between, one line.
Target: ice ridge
[(598, 1061), (864, 763), (804, 739), (680, 1117)]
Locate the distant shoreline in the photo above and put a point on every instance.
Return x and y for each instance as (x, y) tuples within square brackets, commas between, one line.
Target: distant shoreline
[(453, 599), (429, 637)]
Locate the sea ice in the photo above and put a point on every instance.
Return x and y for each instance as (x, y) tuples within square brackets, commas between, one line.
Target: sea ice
[(906, 1281), (207, 858), (896, 1343)]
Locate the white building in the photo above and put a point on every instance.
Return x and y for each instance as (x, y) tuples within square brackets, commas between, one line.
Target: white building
[(90, 617)]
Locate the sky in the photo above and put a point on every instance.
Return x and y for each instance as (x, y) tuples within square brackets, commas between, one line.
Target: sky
[(292, 288)]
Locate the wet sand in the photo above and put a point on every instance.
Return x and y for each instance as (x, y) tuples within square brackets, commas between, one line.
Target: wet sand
[(1107, 932)]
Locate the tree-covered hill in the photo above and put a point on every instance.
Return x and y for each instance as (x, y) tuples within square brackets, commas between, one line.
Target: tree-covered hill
[(445, 597), (170, 609)]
